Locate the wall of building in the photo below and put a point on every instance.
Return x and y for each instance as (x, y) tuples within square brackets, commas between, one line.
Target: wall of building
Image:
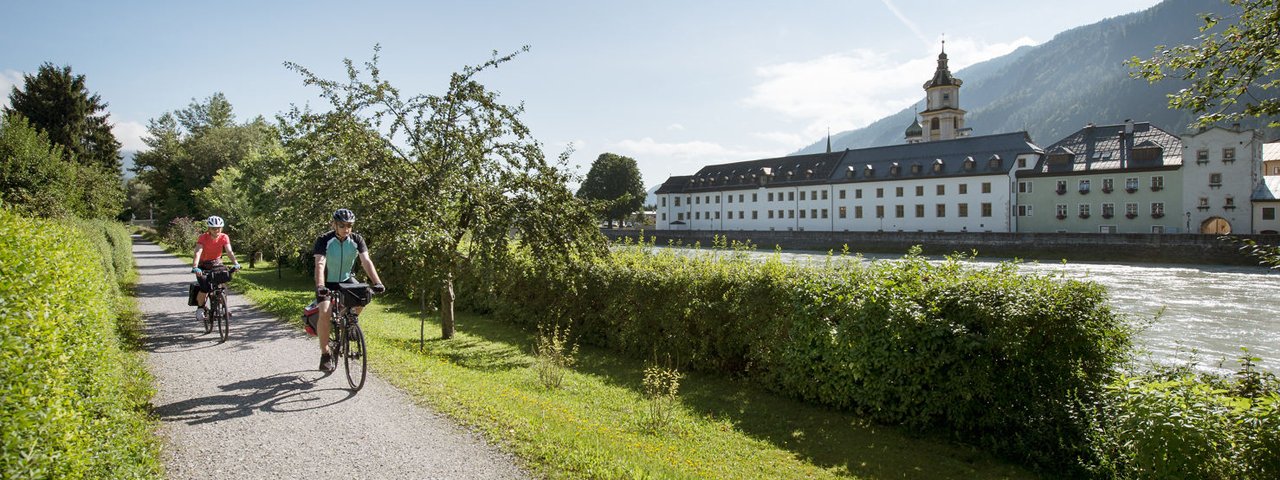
[(1236, 160), (1076, 247), (1160, 189)]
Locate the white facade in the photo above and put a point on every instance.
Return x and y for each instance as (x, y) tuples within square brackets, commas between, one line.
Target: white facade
[(1221, 168)]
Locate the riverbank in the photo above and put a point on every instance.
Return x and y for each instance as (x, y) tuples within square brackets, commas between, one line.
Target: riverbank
[(1049, 247)]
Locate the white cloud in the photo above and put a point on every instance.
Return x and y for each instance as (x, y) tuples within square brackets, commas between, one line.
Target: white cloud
[(852, 89), (130, 135), (8, 80), (676, 127)]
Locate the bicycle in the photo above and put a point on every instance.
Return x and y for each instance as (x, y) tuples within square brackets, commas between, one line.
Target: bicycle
[(346, 340), (218, 316)]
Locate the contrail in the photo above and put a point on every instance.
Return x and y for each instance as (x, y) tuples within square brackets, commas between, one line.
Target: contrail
[(910, 25)]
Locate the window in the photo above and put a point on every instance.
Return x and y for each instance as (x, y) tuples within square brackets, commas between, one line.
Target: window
[(1025, 210), (1024, 187), (791, 196), (770, 213), (728, 198), (1062, 187), (1231, 202), (680, 216), (1062, 210), (879, 211), (1084, 210), (842, 195), (697, 200), (791, 214), (717, 199), (664, 217), (986, 209), (718, 215), (919, 211), (740, 198), (919, 190), (879, 193), (857, 212), (1022, 162), (770, 197), (802, 195), (1131, 184), (1130, 210), (813, 213), (1202, 157), (899, 211), (1215, 179), (755, 214), (824, 213), (916, 169), (801, 213), (1228, 155), (1157, 229), (755, 197), (994, 162), (1157, 209), (1084, 186), (697, 215), (1204, 203), (664, 201), (1107, 229), (962, 210), (824, 194), (1269, 213), (857, 193), (940, 210), (1108, 210), (964, 188), (986, 187), (677, 201), (841, 212), (942, 189), (1157, 183), (898, 191), (1107, 185), (894, 169)]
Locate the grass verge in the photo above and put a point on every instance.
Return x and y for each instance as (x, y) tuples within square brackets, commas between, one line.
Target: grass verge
[(592, 427)]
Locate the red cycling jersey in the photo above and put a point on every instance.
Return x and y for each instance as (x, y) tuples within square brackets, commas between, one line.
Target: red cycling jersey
[(212, 246)]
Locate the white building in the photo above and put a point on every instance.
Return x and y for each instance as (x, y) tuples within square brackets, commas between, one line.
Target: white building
[(955, 185), (1221, 170)]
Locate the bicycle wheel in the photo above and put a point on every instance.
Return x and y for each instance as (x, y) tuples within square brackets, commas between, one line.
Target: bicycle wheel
[(354, 358), (224, 317)]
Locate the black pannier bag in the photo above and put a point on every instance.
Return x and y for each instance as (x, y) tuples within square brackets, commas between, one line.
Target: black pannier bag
[(219, 275), (355, 294), (191, 294)]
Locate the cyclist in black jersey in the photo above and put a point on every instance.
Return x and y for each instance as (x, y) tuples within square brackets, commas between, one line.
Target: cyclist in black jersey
[(335, 253)]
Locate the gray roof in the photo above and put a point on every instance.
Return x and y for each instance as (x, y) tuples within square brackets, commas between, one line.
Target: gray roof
[(966, 156), (1107, 148), (1268, 190)]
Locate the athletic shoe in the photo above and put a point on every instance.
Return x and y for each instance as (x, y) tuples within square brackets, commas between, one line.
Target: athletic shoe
[(200, 314), (327, 364)]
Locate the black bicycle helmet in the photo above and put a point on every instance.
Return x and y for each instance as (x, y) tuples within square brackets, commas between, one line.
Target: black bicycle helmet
[(344, 215)]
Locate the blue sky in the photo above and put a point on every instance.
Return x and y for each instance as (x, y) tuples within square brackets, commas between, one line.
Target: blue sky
[(675, 85)]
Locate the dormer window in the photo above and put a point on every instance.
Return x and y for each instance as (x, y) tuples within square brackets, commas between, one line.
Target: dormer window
[(869, 171), (937, 166), (894, 169), (849, 173), (808, 173), (994, 162), (968, 163), (916, 169)]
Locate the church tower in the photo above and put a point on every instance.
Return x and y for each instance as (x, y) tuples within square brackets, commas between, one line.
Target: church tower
[(942, 118)]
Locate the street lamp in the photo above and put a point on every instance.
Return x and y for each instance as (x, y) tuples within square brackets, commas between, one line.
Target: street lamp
[(1188, 222)]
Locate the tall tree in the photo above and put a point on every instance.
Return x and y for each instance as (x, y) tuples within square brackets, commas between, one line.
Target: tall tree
[(614, 182), (1232, 72), (35, 178), (57, 102), (455, 178)]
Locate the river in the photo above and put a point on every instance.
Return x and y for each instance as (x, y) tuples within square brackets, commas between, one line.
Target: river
[(1207, 309)]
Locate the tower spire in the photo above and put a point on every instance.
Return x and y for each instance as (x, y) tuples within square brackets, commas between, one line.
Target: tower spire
[(828, 139)]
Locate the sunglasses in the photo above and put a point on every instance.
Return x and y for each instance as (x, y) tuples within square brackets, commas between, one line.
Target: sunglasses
[(345, 224)]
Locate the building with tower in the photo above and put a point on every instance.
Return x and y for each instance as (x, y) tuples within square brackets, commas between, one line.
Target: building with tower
[(942, 118)]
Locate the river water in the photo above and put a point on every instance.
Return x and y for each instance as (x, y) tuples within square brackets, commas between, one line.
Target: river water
[(1209, 312)]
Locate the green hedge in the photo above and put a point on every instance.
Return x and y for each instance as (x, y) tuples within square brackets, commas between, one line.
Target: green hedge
[(70, 404), (1001, 359)]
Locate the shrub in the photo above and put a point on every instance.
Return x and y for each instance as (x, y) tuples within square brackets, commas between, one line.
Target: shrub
[(662, 392), (1005, 360), (554, 354), (181, 233), (1173, 422), (68, 406)]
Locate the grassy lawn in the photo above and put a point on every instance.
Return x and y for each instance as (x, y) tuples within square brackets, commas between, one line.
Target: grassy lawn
[(592, 428)]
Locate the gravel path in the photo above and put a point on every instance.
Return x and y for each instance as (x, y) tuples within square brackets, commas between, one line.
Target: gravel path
[(256, 407)]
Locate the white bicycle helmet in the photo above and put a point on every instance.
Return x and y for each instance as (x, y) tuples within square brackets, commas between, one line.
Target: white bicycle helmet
[(215, 222)]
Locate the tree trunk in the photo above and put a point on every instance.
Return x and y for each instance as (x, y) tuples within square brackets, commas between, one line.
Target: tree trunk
[(446, 308)]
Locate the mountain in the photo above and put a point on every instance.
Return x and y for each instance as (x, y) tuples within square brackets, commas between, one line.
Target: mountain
[(1078, 77)]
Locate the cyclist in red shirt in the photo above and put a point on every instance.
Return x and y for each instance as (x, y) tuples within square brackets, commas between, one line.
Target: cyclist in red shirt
[(208, 259)]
